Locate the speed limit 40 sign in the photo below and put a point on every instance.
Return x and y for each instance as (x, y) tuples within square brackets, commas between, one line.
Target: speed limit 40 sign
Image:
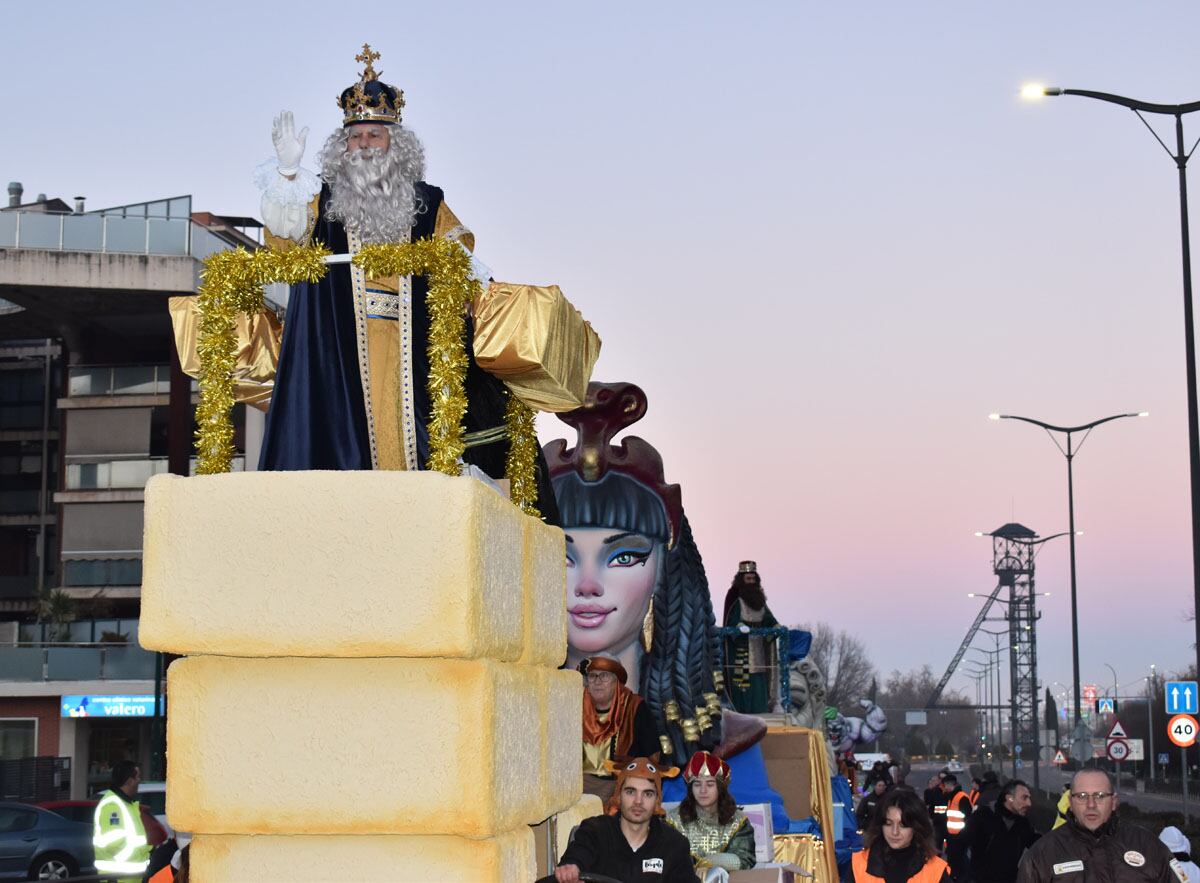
[(1181, 729)]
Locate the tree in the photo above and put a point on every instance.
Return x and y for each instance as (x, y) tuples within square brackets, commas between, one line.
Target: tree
[(1051, 707), (57, 607), (908, 691), (915, 745), (843, 659)]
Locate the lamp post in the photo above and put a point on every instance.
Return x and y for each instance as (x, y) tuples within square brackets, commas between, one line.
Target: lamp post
[(1080, 732), (1180, 157), (1150, 715)]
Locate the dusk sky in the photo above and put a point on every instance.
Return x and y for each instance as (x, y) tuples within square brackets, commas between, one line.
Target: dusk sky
[(827, 240)]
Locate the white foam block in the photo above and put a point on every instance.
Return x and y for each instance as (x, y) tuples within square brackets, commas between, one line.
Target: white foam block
[(367, 746), (356, 859), (562, 741), (337, 564), (545, 635)]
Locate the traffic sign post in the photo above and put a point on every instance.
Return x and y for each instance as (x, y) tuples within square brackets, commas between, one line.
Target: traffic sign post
[(1059, 757), (1106, 706), (1182, 697), (1181, 729), (1118, 750)]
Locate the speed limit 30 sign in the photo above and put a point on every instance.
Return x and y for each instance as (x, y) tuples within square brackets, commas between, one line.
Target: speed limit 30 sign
[(1181, 729), (1118, 750)]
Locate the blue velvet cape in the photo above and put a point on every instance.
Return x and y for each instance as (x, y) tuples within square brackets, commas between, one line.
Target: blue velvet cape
[(317, 418)]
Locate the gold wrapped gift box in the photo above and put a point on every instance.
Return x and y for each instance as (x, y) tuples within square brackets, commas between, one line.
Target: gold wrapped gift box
[(532, 338)]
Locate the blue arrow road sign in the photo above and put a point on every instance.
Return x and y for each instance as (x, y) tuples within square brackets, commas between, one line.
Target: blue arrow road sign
[(1182, 697)]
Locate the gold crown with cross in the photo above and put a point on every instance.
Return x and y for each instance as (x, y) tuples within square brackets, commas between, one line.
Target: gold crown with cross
[(370, 100)]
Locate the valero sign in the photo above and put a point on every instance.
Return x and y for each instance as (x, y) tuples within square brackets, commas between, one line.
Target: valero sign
[(107, 706)]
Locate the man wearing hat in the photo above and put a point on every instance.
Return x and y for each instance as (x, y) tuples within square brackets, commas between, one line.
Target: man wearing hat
[(751, 661), (631, 842), (351, 389), (617, 724)]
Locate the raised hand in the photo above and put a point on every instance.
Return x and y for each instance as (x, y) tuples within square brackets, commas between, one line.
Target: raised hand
[(289, 145)]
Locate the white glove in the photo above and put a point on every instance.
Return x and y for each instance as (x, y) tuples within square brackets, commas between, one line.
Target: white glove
[(289, 145)]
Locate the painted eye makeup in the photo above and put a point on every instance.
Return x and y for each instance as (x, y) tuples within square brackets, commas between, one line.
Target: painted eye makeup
[(628, 557)]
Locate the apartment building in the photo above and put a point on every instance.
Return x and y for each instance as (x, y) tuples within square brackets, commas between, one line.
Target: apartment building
[(92, 403)]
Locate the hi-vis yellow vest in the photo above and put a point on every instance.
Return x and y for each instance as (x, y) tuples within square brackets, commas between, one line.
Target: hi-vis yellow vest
[(119, 838)]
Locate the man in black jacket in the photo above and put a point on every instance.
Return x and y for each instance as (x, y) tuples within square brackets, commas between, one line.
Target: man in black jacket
[(998, 835), (1095, 846), (631, 843)]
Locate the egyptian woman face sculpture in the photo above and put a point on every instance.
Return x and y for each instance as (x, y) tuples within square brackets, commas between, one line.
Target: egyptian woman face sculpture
[(636, 589), (611, 575)]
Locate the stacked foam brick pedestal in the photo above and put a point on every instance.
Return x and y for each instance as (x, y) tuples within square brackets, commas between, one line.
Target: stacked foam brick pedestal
[(371, 688)]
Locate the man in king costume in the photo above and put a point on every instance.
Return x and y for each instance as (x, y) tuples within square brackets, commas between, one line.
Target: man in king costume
[(350, 390), (752, 661)]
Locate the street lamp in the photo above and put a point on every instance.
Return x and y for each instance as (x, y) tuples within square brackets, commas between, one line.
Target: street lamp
[(1150, 715), (1069, 453), (1180, 158)]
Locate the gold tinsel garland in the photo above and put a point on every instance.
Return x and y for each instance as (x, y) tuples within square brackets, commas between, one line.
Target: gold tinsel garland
[(522, 456), (451, 289), (232, 283)]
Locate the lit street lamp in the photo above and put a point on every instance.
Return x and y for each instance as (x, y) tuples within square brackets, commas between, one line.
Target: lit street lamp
[(1080, 733), (1180, 157)]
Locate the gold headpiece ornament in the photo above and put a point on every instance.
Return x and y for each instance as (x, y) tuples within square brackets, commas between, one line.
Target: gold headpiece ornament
[(370, 100), (748, 567)]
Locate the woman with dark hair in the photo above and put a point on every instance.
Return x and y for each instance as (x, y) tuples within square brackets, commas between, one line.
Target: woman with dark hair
[(718, 832), (899, 844), (636, 589)]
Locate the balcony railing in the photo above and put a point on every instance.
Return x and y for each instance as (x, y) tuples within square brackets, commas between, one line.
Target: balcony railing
[(122, 474), (119, 380), (160, 228), (76, 662), (108, 233)]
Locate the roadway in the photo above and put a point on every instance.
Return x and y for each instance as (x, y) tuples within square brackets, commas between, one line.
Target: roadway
[(1053, 778)]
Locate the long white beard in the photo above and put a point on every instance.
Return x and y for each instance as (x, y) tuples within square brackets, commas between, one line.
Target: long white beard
[(373, 192)]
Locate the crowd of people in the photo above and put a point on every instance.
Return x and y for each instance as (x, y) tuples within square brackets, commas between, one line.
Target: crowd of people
[(984, 835)]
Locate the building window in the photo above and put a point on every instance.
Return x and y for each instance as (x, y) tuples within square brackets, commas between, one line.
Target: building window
[(18, 738), (102, 572)]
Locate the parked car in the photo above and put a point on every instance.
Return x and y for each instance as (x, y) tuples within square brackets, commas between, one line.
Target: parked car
[(85, 811), (955, 766), (36, 844)]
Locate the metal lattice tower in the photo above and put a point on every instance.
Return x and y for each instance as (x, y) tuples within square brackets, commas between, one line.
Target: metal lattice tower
[(1014, 548)]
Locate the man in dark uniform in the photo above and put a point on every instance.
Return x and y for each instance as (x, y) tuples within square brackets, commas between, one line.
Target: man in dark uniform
[(1095, 846)]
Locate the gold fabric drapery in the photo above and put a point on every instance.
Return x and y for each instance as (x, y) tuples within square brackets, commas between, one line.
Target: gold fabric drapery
[(821, 803), (804, 851), (257, 355)]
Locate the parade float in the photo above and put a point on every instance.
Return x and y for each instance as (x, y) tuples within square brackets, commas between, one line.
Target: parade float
[(372, 683)]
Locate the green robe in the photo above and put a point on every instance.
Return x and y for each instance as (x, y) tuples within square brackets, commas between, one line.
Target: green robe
[(749, 686)]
